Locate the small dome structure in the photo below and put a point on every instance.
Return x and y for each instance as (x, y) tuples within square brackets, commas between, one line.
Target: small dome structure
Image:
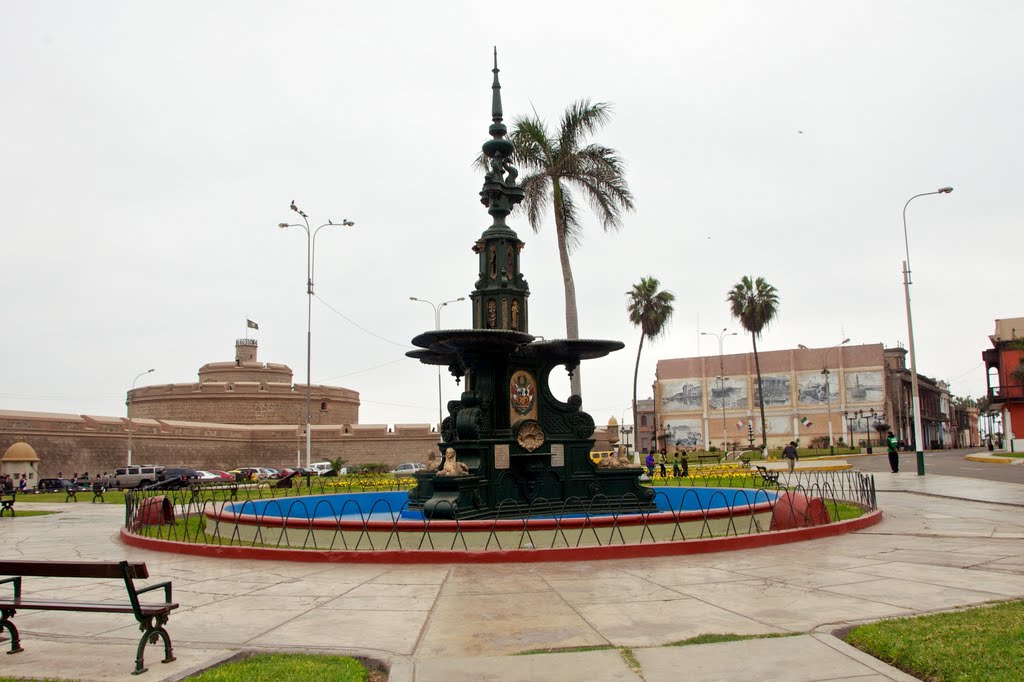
[(612, 421), (20, 452)]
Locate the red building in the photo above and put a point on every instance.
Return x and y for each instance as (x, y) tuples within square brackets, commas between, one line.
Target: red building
[(1004, 367)]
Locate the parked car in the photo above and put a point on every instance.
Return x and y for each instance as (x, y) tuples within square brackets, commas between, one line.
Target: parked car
[(250, 473), (184, 473), (55, 485), (136, 476), (321, 468), (222, 475), (208, 476), (408, 469)]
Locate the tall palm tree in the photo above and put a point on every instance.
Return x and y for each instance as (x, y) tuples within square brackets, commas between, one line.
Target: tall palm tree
[(754, 303), (557, 165), (650, 310)]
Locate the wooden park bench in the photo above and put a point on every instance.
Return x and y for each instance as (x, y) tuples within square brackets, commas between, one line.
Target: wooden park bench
[(771, 477), (7, 502), (98, 488), (709, 458), (151, 616)]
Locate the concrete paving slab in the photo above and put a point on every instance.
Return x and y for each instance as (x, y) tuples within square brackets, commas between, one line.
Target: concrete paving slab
[(786, 659), (790, 607), (503, 624), (97, 660), (388, 631), (589, 666), (993, 582), (657, 623)]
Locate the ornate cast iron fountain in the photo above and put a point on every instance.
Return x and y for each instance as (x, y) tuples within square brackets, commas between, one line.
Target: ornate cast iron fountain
[(521, 445)]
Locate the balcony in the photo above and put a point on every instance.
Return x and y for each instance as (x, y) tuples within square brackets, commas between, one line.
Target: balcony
[(1000, 394)]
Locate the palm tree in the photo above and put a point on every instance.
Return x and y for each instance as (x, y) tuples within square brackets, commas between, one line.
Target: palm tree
[(556, 165), (650, 310), (754, 303)]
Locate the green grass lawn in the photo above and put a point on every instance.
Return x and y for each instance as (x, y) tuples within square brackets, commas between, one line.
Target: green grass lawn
[(109, 497), (27, 512), (278, 667), (980, 644)]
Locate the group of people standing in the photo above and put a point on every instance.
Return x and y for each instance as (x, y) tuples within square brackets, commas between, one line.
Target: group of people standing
[(9, 483), (680, 465)]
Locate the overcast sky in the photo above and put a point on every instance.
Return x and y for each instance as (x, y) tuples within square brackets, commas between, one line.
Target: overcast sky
[(149, 150)]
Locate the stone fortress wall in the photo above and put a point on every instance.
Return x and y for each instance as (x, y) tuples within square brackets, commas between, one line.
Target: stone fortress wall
[(67, 443), (241, 413), (245, 391)]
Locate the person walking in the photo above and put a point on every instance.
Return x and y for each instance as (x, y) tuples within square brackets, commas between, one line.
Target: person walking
[(662, 462), (649, 461), (894, 453), (675, 465), (790, 453)]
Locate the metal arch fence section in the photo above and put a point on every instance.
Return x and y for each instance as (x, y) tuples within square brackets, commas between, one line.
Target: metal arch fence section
[(262, 516)]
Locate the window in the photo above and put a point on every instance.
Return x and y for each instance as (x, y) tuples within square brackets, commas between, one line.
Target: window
[(643, 420), (323, 406)]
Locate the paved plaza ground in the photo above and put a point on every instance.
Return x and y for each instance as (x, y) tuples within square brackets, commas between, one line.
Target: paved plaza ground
[(945, 542)]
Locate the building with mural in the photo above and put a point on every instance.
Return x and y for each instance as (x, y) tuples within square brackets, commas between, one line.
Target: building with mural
[(711, 400)]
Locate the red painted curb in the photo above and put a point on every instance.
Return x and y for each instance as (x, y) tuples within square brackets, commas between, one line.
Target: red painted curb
[(431, 556)]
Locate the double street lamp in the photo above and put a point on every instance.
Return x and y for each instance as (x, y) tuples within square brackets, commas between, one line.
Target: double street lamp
[(721, 380), (828, 391), (868, 418), (437, 327), (128, 404), (310, 265), (918, 438)]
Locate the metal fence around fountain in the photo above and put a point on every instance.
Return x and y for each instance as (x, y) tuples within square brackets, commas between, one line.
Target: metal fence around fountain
[(289, 518)]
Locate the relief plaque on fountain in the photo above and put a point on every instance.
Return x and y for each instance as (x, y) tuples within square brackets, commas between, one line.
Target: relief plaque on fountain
[(520, 450)]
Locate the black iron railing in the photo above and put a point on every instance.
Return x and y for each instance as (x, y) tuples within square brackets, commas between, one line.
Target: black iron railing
[(262, 516)]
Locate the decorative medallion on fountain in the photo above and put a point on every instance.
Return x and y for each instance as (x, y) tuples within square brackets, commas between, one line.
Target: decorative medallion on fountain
[(512, 439)]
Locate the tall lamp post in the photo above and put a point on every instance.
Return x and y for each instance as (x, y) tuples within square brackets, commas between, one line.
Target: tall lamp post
[(721, 379), (310, 266), (918, 438), (437, 327), (128, 405), (828, 391)]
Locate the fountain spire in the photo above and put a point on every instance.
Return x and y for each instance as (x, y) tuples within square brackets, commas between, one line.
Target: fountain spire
[(499, 299)]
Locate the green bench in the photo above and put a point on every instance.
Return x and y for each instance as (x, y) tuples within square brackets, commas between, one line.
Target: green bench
[(151, 616)]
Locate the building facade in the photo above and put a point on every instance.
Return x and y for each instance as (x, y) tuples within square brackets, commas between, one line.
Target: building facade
[(713, 401), (1004, 369)]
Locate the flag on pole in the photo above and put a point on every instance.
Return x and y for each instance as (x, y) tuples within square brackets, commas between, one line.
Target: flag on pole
[(806, 422), (249, 324)]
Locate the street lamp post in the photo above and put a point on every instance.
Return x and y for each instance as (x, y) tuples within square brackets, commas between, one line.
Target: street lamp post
[(868, 418), (918, 438), (721, 379), (850, 418), (128, 405), (437, 327), (310, 267), (828, 391)]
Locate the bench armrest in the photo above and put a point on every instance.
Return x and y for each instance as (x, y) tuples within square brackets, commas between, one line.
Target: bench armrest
[(165, 585), (17, 585)]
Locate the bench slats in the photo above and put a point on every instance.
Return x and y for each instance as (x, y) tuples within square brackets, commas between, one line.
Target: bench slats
[(72, 569), (87, 607)]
